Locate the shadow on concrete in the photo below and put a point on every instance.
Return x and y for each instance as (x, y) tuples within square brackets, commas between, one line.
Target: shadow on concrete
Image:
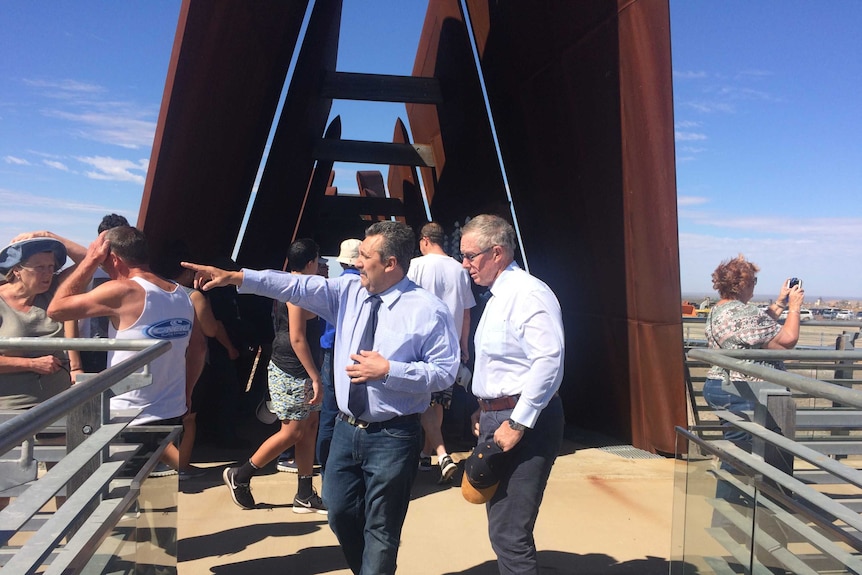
[(235, 540), (308, 561), (591, 564)]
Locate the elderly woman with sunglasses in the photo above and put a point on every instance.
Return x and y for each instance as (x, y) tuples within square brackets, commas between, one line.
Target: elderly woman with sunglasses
[(733, 323), (28, 279)]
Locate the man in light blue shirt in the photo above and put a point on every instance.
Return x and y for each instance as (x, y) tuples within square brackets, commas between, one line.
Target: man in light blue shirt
[(374, 454)]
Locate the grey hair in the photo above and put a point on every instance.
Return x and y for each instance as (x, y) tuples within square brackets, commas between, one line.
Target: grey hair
[(398, 241), (492, 231)]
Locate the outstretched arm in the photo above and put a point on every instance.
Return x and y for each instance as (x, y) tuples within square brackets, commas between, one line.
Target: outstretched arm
[(209, 277)]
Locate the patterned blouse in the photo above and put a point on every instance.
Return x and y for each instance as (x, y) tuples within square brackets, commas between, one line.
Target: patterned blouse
[(737, 325)]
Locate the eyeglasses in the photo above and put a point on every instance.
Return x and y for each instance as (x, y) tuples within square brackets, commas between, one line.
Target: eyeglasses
[(471, 257), (42, 270), (755, 281)]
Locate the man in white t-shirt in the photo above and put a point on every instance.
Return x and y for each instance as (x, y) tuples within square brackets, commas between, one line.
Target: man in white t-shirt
[(443, 276)]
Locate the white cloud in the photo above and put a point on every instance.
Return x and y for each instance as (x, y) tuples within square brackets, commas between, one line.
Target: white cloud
[(689, 136), (687, 124), (75, 220), (63, 87), (119, 127), (741, 93), (754, 74), (691, 149), (56, 165), (95, 117), (691, 200), (116, 169), (16, 161), (710, 107), (689, 74), (28, 202)]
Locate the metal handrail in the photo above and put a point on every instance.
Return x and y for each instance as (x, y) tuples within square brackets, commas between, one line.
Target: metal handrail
[(760, 470), (90, 513), (31, 421), (728, 360)]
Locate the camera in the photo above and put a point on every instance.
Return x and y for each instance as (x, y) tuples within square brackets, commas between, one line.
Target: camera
[(794, 282)]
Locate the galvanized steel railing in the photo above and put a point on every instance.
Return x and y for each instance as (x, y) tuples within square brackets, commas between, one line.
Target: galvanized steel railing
[(773, 509), (88, 474)]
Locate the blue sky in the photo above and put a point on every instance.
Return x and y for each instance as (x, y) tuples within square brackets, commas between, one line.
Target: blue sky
[(767, 120)]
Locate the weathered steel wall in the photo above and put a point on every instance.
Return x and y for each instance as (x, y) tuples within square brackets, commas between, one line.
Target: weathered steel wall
[(226, 73), (581, 97)]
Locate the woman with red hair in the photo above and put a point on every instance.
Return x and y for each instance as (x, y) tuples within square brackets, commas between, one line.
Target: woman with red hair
[(733, 323)]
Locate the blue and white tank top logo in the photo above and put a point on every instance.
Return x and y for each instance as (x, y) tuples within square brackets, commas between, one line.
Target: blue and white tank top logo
[(169, 329)]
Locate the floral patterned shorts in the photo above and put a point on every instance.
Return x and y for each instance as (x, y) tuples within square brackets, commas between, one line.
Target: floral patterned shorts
[(290, 395)]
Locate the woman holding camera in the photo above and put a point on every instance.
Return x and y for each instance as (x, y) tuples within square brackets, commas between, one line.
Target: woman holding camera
[(733, 323)]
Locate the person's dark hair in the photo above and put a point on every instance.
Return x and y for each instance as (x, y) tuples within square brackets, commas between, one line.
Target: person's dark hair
[(734, 276), (112, 221), (434, 232), (492, 231), (129, 244), (398, 241), (300, 253)]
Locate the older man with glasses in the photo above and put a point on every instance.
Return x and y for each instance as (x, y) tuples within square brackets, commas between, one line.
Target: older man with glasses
[(518, 369)]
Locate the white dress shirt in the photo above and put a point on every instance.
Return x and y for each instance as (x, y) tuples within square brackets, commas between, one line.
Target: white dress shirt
[(519, 344)]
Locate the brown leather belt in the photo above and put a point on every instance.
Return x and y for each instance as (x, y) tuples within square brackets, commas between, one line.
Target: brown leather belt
[(498, 403), (374, 425)]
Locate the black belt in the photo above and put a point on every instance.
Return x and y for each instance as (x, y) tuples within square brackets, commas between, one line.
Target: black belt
[(374, 425)]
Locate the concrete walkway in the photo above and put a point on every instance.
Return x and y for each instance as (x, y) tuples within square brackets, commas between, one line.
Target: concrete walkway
[(603, 513)]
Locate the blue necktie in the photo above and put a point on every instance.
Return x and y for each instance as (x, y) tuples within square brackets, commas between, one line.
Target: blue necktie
[(357, 401)]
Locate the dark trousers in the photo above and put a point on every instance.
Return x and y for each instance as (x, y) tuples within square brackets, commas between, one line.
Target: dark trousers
[(513, 510), (367, 489)]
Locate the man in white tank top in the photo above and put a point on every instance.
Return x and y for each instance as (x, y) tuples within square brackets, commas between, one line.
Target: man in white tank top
[(140, 305)]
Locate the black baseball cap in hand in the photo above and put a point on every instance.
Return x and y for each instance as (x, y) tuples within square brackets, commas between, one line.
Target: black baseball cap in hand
[(482, 472)]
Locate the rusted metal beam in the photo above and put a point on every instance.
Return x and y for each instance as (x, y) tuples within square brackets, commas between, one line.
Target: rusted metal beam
[(225, 76), (289, 166), (374, 153), (381, 88), (345, 206), (403, 184), (467, 178)]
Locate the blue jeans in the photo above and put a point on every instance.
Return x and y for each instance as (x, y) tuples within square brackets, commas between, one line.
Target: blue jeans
[(720, 399), (513, 510), (328, 410), (367, 489)]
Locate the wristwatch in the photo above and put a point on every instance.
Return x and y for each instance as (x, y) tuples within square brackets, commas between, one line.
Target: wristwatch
[(516, 426)]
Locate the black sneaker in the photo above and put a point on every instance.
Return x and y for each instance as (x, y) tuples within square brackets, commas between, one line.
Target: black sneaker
[(447, 469), (239, 492), (424, 463), (314, 504)]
